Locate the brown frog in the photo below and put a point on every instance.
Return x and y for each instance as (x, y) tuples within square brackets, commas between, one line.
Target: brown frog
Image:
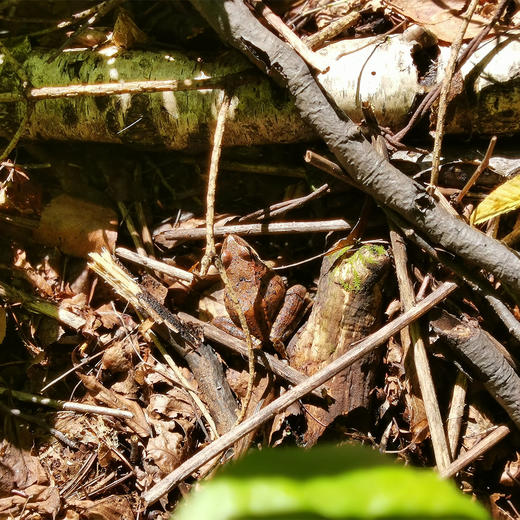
[(271, 312)]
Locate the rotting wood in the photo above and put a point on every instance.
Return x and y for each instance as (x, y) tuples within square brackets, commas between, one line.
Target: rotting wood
[(236, 24), (268, 361), (347, 308), (357, 352)]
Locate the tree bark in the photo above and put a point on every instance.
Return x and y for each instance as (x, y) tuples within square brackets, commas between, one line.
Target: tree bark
[(75, 96), (175, 120)]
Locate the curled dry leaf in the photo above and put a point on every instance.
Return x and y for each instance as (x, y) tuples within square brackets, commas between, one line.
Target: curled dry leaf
[(444, 19), (21, 471), (109, 318), (511, 472), (113, 507), (118, 357), (77, 227), (165, 451), (41, 500), (110, 398)]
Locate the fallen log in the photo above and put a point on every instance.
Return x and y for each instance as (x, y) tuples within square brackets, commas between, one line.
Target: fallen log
[(169, 100)]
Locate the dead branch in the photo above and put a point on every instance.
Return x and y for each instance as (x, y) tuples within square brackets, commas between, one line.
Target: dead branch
[(357, 352), (236, 24), (478, 351)]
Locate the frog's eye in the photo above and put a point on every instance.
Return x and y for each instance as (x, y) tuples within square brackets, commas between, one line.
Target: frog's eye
[(245, 253)]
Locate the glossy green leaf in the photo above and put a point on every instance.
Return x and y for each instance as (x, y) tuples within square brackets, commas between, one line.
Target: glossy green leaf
[(326, 482)]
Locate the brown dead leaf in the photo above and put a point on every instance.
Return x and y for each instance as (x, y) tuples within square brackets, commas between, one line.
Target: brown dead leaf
[(166, 451), (108, 317), (27, 271), (109, 398), (126, 33), (18, 193), (76, 226), (44, 501), (70, 514), (176, 406), (18, 468), (511, 474), (118, 357), (21, 471), (444, 19), (114, 507)]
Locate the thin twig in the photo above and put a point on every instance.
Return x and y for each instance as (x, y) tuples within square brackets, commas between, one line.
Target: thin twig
[(146, 235), (316, 61), (480, 168), (156, 265), (420, 357), (69, 406), (126, 87), (40, 306), (266, 228), (104, 265), (268, 361), (281, 403), (72, 483), (73, 369), (476, 451), (456, 412), (332, 29), (134, 235), (210, 255), (326, 165), (18, 134), (287, 205), (480, 286), (249, 341), (14, 412), (430, 98), (445, 90), (216, 151)]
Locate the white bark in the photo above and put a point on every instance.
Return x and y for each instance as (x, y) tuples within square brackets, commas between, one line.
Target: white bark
[(382, 73)]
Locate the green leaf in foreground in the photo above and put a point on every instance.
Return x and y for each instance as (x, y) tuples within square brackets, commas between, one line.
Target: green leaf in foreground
[(326, 482)]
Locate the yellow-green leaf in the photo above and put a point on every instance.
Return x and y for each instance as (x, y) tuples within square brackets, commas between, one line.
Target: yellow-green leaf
[(501, 200)]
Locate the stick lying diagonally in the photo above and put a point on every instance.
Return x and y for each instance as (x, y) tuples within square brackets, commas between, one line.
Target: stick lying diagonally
[(235, 24), (320, 377)]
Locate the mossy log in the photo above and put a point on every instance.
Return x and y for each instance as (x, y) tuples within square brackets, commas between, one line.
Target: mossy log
[(87, 95)]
